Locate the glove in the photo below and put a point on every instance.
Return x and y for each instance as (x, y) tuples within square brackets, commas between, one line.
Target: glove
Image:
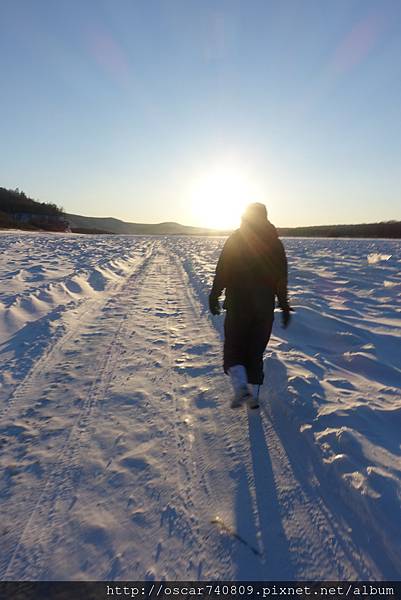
[(286, 316), (214, 304)]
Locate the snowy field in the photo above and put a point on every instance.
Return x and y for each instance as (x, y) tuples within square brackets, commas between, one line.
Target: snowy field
[(120, 458)]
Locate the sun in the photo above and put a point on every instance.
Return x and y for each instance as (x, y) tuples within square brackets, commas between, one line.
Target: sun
[(218, 197)]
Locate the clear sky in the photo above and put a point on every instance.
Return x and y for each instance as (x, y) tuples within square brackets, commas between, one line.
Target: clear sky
[(184, 110)]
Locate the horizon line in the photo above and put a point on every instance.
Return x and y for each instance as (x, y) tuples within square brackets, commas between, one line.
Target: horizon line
[(231, 228)]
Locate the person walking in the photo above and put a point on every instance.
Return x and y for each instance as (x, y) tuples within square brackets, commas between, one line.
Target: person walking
[(252, 268)]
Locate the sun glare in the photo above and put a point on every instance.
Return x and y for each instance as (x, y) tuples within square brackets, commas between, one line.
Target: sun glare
[(218, 197)]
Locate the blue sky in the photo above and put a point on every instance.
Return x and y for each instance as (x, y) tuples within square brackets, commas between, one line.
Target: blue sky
[(125, 108)]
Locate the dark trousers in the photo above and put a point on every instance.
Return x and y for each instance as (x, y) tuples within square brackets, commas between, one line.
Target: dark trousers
[(245, 340)]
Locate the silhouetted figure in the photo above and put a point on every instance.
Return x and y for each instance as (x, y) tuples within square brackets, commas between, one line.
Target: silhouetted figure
[(252, 268)]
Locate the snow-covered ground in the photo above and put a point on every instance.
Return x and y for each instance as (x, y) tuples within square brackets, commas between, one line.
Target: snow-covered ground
[(120, 458)]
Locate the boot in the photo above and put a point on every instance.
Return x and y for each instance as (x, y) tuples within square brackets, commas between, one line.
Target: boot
[(239, 381), (253, 400)]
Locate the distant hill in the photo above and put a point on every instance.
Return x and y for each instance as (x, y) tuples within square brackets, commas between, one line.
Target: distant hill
[(389, 229), (112, 225)]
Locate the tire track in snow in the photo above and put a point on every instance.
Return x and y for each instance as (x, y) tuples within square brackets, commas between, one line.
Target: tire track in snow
[(163, 528), (218, 454), (182, 503), (307, 509), (151, 461), (59, 340), (40, 533), (187, 432), (27, 386)]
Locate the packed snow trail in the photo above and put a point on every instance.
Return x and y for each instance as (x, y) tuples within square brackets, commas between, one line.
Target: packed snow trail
[(123, 461)]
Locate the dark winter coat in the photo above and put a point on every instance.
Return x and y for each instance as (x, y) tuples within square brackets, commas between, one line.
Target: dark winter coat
[(252, 268)]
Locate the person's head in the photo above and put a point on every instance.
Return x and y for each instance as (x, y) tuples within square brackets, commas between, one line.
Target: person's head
[(255, 214)]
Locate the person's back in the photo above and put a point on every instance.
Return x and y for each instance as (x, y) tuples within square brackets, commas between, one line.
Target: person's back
[(254, 265), (253, 270)]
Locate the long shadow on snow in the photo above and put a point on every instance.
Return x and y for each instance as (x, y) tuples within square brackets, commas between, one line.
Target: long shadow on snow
[(304, 464), (275, 562)]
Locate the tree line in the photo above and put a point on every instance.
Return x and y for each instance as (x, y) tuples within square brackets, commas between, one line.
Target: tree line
[(19, 210), (16, 201), (384, 229)]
